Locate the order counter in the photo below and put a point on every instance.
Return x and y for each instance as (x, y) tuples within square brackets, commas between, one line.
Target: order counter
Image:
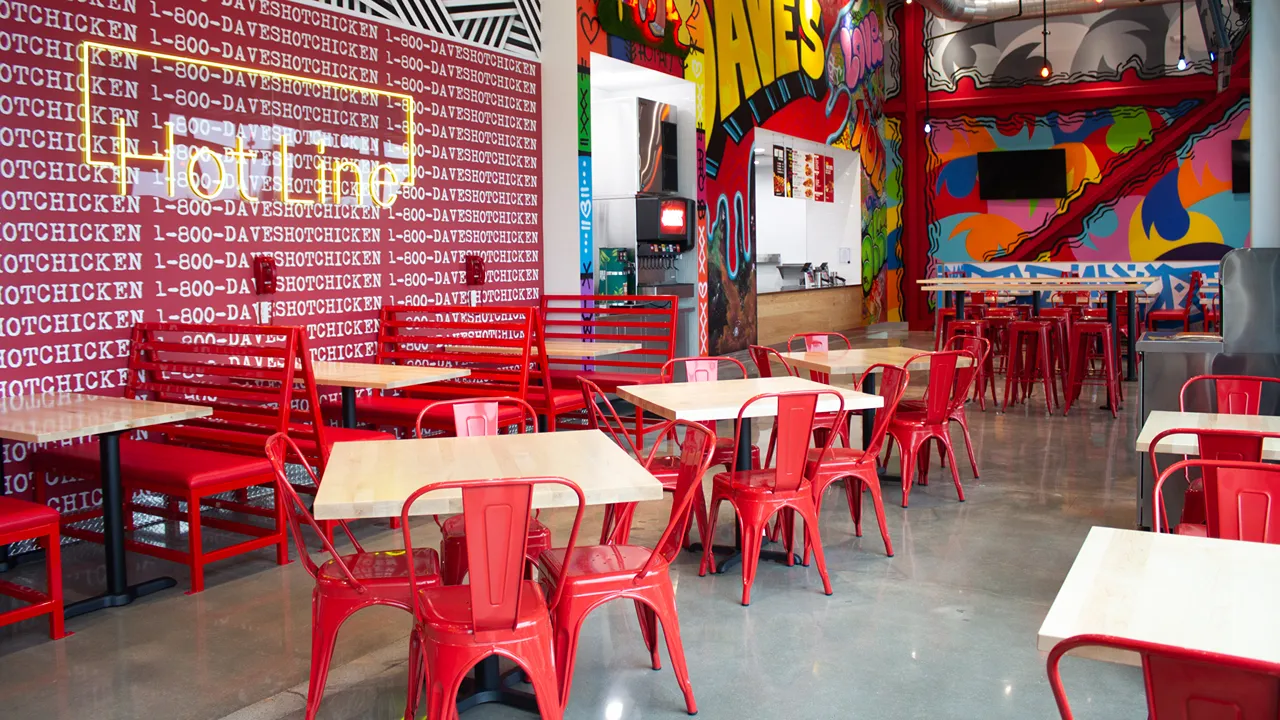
[(787, 312)]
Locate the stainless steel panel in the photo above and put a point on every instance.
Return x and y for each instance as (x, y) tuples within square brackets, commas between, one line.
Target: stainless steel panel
[(1251, 300)]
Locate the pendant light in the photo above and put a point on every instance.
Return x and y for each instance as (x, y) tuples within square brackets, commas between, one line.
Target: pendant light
[(1182, 34), (1046, 69)]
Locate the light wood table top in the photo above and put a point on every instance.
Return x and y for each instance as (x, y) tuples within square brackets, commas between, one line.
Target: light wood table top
[(1210, 290), (372, 479), (1198, 593), (1160, 420), (1004, 282), (967, 285), (559, 349), (49, 417), (722, 399), (381, 377), (857, 360)]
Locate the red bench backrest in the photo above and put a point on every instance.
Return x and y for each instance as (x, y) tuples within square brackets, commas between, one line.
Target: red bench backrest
[(493, 343), (647, 319), (258, 380)]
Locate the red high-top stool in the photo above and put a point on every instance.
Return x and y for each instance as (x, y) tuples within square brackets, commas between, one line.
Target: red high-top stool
[(1029, 360), (987, 372), (946, 316), (1060, 336), (1083, 334), (998, 320)]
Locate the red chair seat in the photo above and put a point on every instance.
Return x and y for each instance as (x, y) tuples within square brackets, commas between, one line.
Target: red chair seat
[(907, 415), (20, 515), (561, 398), (836, 457), (166, 467), (754, 481), (598, 561), (607, 381), (389, 567), (448, 608), (1192, 529)]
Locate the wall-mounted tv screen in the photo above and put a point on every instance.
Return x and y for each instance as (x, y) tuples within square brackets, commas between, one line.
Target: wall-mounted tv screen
[(1022, 174), (1239, 166)]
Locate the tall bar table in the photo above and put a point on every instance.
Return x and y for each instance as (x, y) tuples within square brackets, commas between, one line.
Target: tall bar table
[(51, 417)]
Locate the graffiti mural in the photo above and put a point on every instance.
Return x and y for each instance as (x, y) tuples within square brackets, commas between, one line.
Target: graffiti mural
[(812, 70), (889, 281), (1188, 213), (1082, 48)]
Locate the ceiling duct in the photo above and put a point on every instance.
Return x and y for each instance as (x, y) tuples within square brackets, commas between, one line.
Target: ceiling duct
[(969, 11)]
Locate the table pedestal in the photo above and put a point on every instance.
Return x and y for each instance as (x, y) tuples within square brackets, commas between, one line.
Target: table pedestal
[(489, 684), (348, 407), (119, 591)]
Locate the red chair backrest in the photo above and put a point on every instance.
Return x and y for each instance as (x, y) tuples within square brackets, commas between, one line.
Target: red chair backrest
[(699, 369), (601, 415), (762, 356), (646, 319), (1197, 279), (280, 448), (893, 385), (1233, 394), (495, 514), (1242, 498), (948, 387), (480, 417), (979, 347), (816, 342), (258, 379), (696, 451), (495, 344), (1184, 684), (794, 427)]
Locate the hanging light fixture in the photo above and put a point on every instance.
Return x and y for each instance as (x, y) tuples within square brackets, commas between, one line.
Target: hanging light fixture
[(1046, 69), (1182, 35), (928, 49)]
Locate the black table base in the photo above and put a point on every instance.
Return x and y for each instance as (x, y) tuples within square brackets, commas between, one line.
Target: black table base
[(348, 407), (489, 684)]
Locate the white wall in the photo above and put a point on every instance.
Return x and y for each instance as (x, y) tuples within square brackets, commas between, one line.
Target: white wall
[(560, 266), (801, 230)]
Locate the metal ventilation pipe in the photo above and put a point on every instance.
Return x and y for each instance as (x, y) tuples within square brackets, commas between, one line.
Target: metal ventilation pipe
[(968, 11)]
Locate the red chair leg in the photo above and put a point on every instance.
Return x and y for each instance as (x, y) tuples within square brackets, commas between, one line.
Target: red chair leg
[(968, 443), (708, 558), (908, 463), (649, 632), (53, 574), (955, 474), (809, 514), (752, 536), (417, 678), (877, 503), (327, 616), (196, 542), (665, 607)]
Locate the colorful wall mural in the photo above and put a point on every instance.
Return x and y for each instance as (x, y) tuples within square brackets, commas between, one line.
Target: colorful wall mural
[(1082, 48), (1187, 213), (810, 69), (891, 275)]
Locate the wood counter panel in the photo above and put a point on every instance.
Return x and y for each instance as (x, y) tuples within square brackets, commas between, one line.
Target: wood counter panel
[(784, 314)]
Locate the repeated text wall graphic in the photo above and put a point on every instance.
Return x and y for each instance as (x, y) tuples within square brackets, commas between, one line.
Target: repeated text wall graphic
[(150, 150)]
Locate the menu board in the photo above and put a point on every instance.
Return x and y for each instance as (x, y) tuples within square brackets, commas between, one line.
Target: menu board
[(150, 151), (810, 176), (780, 178)]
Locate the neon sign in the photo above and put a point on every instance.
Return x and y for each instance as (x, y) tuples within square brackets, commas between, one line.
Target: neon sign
[(656, 23), (376, 183)]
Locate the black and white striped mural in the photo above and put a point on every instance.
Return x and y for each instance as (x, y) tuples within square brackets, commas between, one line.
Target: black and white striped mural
[(512, 26)]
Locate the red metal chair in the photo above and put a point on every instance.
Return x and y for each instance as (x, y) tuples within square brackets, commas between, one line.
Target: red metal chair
[(498, 612), (1228, 445), (817, 342), (764, 357), (858, 467), (948, 389), (707, 369), (1184, 684), (616, 527), (1242, 500), (1213, 314), (344, 583), (980, 347), (757, 495), (598, 574), (981, 330), (22, 520), (474, 418), (1182, 314), (1232, 395)]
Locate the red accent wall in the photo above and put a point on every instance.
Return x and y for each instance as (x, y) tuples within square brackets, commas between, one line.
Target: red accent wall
[(80, 262)]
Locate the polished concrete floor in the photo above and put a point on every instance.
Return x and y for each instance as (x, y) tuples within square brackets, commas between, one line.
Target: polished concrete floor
[(945, 629)]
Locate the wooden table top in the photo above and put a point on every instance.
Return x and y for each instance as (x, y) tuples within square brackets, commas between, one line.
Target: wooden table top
[(559, 349), (966, 284), (1198, 593), (722, 399), (1005, 282), (857, 360), (1160, 420), (49, 417), (381, 377), (372, 479)]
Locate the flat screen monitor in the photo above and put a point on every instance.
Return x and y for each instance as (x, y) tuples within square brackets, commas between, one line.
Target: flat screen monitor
[(1022, 174), (1239, 166)]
